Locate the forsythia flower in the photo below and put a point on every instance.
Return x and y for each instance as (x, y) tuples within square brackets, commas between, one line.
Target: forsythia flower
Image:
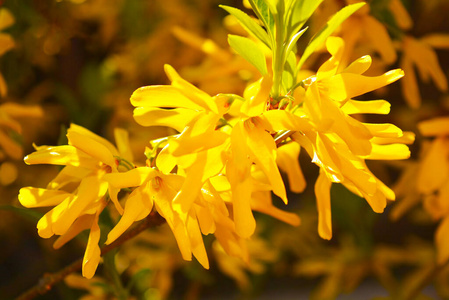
[(419, 53), (9, 126), (360, 26), (79, 192), (6, 43), (432, 180), (215, 157), (340, 144)]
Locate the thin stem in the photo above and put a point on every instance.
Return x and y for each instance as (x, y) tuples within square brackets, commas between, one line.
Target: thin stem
[(426, 281), (111, 270), (278, 57), (48, 280)]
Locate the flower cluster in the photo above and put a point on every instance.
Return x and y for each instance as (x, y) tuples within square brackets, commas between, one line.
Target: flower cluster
[(227, 155)]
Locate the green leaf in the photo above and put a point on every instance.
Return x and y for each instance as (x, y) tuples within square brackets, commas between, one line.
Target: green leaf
[(293, 40), (250, 51), (24, 212), (262, 11), (249, 24), (330, 27), (301, 11), (288, 76)]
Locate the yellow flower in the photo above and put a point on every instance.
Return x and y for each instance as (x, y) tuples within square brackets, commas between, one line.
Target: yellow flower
[(419, 53), (362, 28), (9, 126), (433, 180), (340, 144), (78, 192), (6, 42)]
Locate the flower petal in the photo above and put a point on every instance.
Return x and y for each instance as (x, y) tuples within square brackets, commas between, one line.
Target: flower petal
[(176, 118), (323, 200), (35, 197)]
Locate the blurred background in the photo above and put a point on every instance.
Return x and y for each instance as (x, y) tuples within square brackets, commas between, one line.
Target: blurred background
[(78, 61)]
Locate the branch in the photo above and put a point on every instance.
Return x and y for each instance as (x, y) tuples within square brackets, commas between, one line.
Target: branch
[(48, 280), (433, 273)]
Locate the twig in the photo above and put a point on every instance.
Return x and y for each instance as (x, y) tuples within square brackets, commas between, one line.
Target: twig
[(426, 281), (48, 280)]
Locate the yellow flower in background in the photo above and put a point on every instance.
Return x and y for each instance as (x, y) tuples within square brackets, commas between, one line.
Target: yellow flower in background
[(433, 180), (420, 54), (6, 43), (10, 127), (79, 192), (363, 29)]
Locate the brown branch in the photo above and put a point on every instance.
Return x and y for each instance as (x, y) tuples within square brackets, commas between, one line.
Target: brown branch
[(48, 280)]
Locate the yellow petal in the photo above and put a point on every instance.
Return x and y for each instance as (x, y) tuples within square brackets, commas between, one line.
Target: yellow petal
[(6, 18), (162, 201), (92, 136), (434, 169), (262, 149), (409, 84), (92, 255), (238, 174), (359, 66), (190, 189), (378, 201), (261, 202), (92, 148), (12, 148), (323, 200), (8, 173), (3, 86), (437, 40), (389, 152), (442, 242), (123, 145), (348, 85), (20, 111), (176, 118), (288, 161), (133, 208), (6, 43), (426, 60), (196, 240), (45, 224), (90, 190), (400, 14), (184, 146), (205, 219), (434, 127), (381, 107), (82, 223), (277, 120), (163, 96), (335, 46), (354, 133), (60, 155), (380, 39), (190, 91), (131, 178), (408, 138), (384, 130), (257, 96), (35, 197)]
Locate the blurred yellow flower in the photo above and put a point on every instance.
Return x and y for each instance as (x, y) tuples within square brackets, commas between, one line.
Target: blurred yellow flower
[(433, 180), (6, 42), (420, 53), (10, 127)]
